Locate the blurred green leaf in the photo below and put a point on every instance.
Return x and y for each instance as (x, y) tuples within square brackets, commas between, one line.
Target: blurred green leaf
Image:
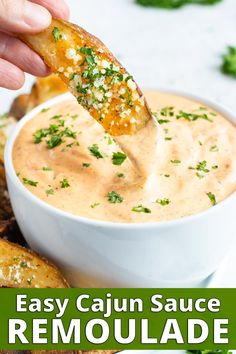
[(174, 4), (229, 62)]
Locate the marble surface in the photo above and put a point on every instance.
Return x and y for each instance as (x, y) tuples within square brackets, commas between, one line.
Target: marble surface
[(179, 49)]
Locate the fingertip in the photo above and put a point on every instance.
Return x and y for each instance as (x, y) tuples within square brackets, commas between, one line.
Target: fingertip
[(66, 12), (36, 17), (19, 79), (11, 77), (58, 9)]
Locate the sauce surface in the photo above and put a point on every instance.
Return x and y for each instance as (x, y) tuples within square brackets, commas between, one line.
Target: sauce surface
[(65, 158)]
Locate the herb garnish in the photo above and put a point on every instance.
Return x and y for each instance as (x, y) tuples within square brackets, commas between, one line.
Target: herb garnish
[(114, 197), (54, 141), (94, 149), (118, 158), (94, 205), (175, 161), (45, 110), (30, 183), (141, 209), (55, 134), (212, 198), (163, 202), (163, 121), (49, 191), (64, 183), (191, 117), (229, 62), (167, 111), (120, 175), (56, 34), (46, 168), (202, 169), (174, 4), (23, 264), (86, 165), (214, 148)]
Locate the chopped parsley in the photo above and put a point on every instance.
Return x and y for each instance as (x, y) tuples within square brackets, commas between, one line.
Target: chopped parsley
[(141, 209), (202, 169), (30, 183), (94, 205), (45, 110), (174, 4), (54, 141), (118, 158), (94, 149), (163, 121), (49, 191), (56, 117), (46, 168), (23, 264), (215, 167), (29, 280), (167, 111), (175, 161), (212, 198), (229, 62), (114, 197), (120, 175), (191, 117), (214, 148), (110, 140), (54, 134), (86, 165), (56, 34), (168, 138), (64, 183), (163, 202), (39, 135)]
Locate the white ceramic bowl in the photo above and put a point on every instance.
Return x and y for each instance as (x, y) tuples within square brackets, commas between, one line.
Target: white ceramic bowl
[(97, 253)]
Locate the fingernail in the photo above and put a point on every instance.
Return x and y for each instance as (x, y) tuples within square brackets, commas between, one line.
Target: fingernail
[(36, 17)]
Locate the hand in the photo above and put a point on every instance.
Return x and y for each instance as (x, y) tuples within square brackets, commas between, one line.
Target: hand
[(23, 16)]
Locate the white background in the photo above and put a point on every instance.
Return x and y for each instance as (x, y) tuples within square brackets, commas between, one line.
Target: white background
[(180, 49), (171, 49)]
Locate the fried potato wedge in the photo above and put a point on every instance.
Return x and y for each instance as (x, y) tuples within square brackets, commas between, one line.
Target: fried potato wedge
[(7, 123), (20, 106), (22, 268), (93, 75), (47, 88), (43, 90)]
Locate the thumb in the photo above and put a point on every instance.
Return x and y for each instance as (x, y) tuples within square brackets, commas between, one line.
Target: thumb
[(23, 16)]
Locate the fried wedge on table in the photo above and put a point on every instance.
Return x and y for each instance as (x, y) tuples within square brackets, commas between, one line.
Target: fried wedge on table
[(22, 268), (93, 75), (43, 90)]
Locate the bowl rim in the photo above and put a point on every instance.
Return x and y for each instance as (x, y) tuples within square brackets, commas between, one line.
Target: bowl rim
[(11, 174)]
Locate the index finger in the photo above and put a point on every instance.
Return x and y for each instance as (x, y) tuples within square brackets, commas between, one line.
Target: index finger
[(58, 9)]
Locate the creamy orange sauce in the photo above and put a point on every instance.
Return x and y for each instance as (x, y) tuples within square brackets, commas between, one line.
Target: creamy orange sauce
[(191, 163)]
